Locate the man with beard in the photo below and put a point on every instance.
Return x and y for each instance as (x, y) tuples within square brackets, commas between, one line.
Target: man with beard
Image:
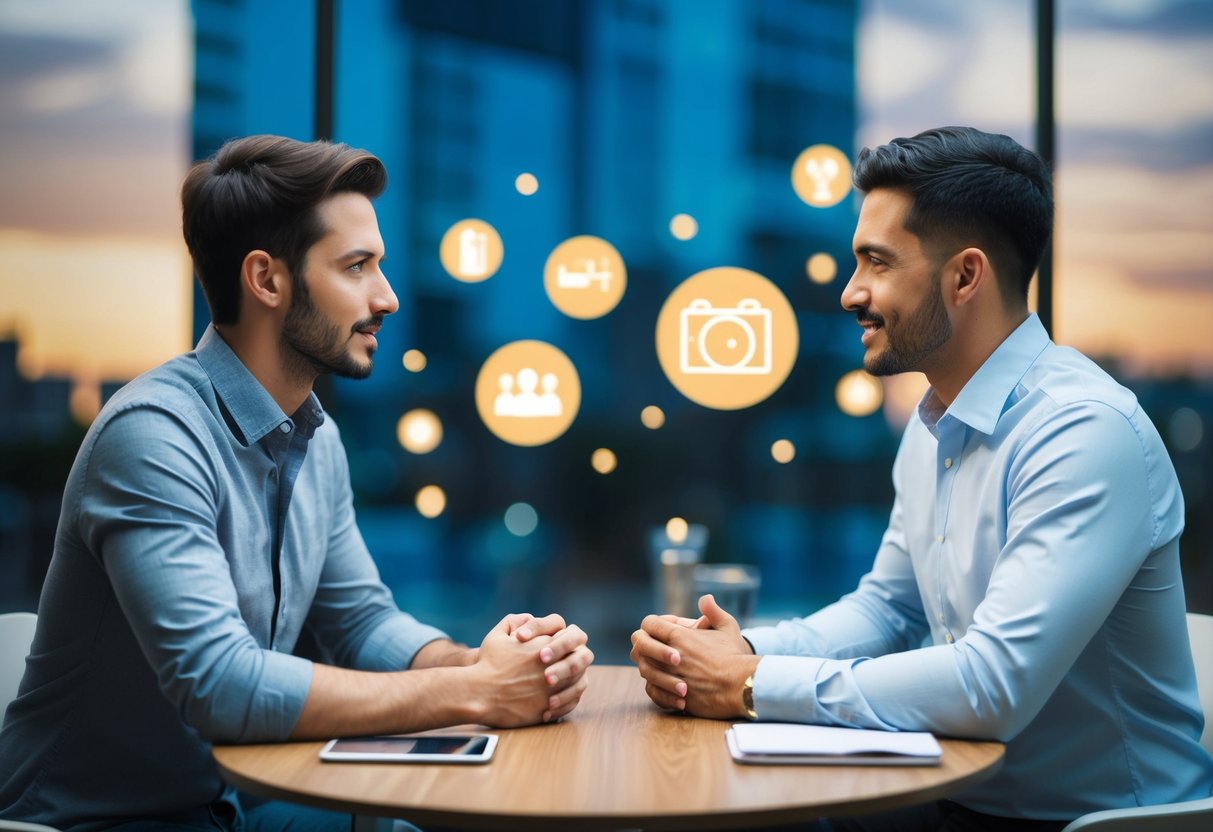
[(208, 521), (1028, 587)]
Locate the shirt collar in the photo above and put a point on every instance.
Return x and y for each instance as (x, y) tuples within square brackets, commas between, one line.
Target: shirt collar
[(984, 397), (250, 407)]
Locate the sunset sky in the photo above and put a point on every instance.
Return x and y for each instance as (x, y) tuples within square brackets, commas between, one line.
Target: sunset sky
[(94, 280)]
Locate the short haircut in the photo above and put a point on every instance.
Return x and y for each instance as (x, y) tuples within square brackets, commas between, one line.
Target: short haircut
[(261, 192), (969, 188)]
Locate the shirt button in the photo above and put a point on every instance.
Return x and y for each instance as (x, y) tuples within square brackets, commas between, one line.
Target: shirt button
[(285, 427), (948, 638), (941, 618), (947, 463), (939, 539)]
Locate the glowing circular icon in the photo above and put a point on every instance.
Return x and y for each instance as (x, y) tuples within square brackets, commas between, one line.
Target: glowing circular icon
[(727, 338), (821, 175), (528, 393), (471, 251), (585, 277)]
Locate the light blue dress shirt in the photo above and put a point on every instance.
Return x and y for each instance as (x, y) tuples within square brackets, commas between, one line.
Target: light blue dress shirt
[(163, 624), (1027, 590)]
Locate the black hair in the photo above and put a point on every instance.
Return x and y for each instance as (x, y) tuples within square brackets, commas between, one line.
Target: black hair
[(969, 188)]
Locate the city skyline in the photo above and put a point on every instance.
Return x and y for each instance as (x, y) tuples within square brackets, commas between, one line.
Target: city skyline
[(1128, 233)]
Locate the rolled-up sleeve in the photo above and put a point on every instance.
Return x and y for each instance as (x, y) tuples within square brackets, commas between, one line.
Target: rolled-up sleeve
[(353, 614), (151, 515)]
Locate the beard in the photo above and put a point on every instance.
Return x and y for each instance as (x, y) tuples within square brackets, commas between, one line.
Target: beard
[(315, 345), (909, 342)]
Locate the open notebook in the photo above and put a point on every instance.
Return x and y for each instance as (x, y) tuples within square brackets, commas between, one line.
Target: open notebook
[(784, 743)]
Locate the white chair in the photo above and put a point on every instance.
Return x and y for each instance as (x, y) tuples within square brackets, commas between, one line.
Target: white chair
[(1194, 815), (16, 634)]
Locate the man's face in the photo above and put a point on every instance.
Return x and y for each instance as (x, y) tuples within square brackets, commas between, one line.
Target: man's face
[(342, 297), (895, 291)]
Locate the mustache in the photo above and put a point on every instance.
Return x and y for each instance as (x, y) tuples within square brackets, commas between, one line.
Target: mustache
[(864, 317), (374, 321)]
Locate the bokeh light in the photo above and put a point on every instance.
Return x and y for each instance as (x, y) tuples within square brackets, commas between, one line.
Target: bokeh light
[(521, 519), (85, 402), (526, 184), (414, 361), (652, 417), (1187, 429), (419, 431), (603, 460), (859, 393), (684, 226), (821, 268), (783, 451), (676, 530), (430, 501)]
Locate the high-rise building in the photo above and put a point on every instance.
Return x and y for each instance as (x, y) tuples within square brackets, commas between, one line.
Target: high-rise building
[(626, 112)]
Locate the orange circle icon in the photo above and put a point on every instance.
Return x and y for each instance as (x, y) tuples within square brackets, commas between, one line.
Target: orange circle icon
[(585, 277), (821, 175), (528, 393), (471, 251), (727, 338)]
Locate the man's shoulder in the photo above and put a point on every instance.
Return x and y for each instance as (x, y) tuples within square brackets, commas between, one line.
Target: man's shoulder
[(1069, 378), (173, 391)]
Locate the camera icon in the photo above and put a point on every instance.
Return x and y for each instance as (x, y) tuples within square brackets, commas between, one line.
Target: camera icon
[(726, 341)]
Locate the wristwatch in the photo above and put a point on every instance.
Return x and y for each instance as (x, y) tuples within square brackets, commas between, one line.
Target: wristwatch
[(747, 697)]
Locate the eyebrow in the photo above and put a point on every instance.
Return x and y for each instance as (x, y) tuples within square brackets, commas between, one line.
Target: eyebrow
[(360, 254), (874, 248)]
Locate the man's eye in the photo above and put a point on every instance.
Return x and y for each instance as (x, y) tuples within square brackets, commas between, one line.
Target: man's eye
[(357, 267), (875, 261)]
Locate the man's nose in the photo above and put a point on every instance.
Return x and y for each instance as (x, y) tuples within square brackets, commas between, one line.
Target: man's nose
[(385, 301), (855, 294)]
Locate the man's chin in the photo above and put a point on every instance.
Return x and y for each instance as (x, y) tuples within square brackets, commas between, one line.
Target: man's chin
[(356, 371)]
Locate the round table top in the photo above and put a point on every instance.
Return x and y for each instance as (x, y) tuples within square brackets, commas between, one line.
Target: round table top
[(617, 761)]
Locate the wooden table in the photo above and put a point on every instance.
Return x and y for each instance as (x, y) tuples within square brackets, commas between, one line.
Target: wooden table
[(616, 762)]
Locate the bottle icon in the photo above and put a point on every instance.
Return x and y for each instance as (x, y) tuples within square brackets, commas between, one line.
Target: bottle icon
[(473, 253)]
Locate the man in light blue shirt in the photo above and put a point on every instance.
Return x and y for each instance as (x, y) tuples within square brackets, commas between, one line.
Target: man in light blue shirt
[(208, 521), (1028, 587)]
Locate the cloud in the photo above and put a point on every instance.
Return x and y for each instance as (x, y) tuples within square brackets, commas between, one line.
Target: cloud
[(1132, 81), (1161, 18)]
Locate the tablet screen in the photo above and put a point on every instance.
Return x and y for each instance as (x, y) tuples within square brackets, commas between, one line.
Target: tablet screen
[(454, 748)]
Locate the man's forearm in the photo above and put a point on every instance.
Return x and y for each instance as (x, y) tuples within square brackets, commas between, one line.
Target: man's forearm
[(443, 653), (352, 702)]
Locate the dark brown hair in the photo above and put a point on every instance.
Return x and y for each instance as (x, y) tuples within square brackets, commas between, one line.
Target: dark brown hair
[(261, 192)]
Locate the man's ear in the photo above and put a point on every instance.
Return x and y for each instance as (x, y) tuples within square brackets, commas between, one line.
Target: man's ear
[(968, 273), (265, 280)]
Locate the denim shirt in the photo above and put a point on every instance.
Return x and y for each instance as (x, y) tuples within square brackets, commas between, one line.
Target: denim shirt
[(1027, 589), (201, 529)]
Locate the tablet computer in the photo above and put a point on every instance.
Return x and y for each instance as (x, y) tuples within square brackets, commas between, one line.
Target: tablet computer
[(411, 748)]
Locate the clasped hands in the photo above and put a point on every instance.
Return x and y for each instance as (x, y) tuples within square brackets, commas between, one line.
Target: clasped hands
[(695, 665), (509, 654), (692, 665)]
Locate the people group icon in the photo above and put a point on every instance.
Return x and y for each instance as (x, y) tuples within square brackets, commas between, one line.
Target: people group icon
[(520, 395)]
